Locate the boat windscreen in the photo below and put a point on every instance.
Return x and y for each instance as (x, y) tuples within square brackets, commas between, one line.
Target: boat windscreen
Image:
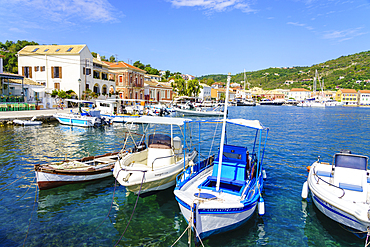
[(351, 161), (155, 140)]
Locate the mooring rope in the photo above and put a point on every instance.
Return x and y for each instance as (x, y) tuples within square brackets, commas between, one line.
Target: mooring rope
[(367, 238), (34, 203), (190, 225), (27, 189), (142, 181), (15, 180)]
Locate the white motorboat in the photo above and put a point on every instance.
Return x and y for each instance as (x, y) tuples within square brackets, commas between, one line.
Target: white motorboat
[(120, 110), (90, 168), (30, 122), (223, 195), (200, 112), (155, 168), (271, 102), (86, 117), (341, 190)]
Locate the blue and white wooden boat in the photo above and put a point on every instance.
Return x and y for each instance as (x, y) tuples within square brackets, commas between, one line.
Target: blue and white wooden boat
[(224, 195), (86, 117), (341, 190)]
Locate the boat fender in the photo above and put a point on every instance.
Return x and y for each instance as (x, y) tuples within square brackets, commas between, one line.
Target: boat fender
[(304, 190), (261, 206), (264, 174), (308, 168)]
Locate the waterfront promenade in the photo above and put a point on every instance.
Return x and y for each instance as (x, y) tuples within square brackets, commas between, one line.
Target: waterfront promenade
[(42, 115)]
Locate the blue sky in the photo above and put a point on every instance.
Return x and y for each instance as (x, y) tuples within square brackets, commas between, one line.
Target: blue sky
[(196, 37)]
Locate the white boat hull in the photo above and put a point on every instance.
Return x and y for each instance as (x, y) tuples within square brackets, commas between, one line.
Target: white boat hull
[(223, 220), (47, 180), (347, 206), (225, 213), (142, 179), (199, 113)]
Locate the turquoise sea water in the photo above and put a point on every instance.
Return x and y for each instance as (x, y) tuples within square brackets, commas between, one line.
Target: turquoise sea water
[(71, 215)]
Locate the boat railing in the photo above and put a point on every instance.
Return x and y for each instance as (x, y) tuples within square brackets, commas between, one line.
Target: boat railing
[(164, 157), (195, 169), (317, 176)]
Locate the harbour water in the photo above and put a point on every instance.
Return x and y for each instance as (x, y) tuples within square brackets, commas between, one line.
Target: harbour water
[(76, 215)]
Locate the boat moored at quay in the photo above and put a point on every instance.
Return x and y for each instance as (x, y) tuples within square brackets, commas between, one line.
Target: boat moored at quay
[(341, 190)]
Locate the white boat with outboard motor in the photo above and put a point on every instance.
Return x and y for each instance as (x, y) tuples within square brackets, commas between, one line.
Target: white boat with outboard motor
[(341, 190), (85, 117), (163, 157), (200, 112), (31, 122), (223, 195), (119, 110)]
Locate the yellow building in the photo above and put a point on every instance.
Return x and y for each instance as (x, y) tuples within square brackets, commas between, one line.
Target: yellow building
[(347, 96)]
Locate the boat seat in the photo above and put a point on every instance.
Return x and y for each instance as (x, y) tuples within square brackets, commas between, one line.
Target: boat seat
[(227, 181), (350, 187), (324, 173), (231, 170), (105, 160)]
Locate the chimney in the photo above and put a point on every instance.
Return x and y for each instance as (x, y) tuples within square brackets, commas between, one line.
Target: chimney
[(1, 63)]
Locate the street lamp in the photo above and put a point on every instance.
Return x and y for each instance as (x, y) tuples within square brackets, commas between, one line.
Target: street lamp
[(79, 88)]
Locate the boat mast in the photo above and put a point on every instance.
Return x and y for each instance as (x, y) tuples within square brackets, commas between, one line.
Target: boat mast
[(314, 84), (244, 79), (223, 134)]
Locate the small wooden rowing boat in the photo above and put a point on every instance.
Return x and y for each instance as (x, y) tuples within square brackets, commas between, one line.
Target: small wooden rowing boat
[(73, 171)]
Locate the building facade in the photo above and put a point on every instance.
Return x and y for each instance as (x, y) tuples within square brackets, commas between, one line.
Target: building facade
[(129, 80), (364, 97), (205, 92), (299, 94), (347, 96), (158, 92)]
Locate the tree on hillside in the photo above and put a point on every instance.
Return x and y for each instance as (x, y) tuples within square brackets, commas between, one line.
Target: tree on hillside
[(9, 49)]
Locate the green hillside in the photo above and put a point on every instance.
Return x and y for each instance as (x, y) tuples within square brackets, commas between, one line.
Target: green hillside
[(343, 72)]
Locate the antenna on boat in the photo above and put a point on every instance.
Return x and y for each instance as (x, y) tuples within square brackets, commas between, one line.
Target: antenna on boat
[(223, 133)]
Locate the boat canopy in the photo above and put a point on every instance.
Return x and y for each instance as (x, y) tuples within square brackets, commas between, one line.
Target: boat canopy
[(254, 124), (158, 120), (128, 100), (79, 101)]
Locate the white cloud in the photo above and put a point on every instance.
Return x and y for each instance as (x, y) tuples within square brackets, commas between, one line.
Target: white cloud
[(16, 30), (296, 24), (300, 25), (64, 10), (343, 34), (215, 5)]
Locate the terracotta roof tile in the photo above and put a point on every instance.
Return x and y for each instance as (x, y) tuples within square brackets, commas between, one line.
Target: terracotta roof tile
[(299, 90), (348, 91), (123, 65)]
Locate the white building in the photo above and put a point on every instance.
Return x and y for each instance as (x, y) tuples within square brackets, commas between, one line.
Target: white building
[(364, 97), (62, 67), (299, 94), (205, 92)]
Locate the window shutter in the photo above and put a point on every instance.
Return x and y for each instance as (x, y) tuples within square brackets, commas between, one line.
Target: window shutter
[(60, 72), (52, 72), (30, 72), (84, 70), (35, 68), (23, 70)]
